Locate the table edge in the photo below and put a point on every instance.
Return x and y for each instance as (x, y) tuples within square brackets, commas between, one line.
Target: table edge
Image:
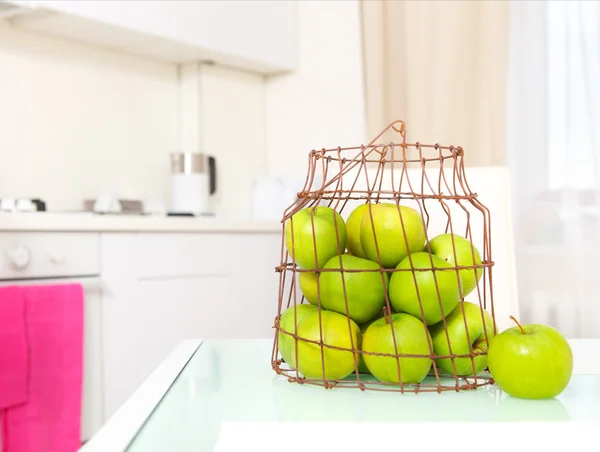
[(122, 427)]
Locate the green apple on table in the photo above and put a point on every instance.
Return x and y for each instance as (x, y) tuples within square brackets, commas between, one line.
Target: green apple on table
[(353, 230), (442, 246), (411, 337), (382, 229), (285, 342), (531, 361), (403, 290), (479, 324), (338, 331), (308, 286), (364, 291), (326, 220)]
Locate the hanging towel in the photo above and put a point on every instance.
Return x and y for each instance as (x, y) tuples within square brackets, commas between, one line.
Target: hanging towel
[(13, 348), (50, 419)]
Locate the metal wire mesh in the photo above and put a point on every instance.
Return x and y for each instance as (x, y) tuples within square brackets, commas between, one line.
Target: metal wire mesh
[(398, 296)]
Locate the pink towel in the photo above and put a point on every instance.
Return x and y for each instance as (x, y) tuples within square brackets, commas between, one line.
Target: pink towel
[(13, 348), (50, 420)]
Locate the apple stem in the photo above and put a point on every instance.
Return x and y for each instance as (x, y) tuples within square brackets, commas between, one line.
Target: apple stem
[(518, 324), (385, 315), (478, 347)]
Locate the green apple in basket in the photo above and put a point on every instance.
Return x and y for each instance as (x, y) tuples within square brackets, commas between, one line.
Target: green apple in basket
[(353, 226), (362, 367), (363, 289), (531, 361), (288, 322), (458, 251), (407, 287), (338, 331), (383, 229), (479, 324), (411, 337), (308, 286), (328, 233)]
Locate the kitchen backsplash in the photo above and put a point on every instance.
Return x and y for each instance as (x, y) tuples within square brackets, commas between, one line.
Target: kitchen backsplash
[(79, 122), (233, 128)]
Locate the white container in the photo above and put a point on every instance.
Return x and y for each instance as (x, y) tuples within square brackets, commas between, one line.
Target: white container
[(270, 198), (193, 181)]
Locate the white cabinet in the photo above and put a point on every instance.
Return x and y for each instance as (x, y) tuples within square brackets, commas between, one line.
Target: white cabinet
[(163, 288), (251, 34), (92, 416), (146, 292)]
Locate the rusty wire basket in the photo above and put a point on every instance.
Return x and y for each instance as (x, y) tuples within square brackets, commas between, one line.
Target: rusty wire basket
[(385, 281)]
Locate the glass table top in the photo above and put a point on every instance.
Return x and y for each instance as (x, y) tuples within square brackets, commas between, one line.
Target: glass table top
[(232, 380)]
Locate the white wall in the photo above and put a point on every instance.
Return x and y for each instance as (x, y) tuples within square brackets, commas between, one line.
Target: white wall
[(76, 121), (322, 103), (233, 129)]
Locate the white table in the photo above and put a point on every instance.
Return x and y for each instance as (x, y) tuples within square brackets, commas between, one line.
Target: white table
[(223, 395)]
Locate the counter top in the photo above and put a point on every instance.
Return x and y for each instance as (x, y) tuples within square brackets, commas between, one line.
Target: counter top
[(91, 222), (223, 395)]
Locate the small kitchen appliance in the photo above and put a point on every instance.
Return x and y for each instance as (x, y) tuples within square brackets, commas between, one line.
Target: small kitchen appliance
[(193, 181)]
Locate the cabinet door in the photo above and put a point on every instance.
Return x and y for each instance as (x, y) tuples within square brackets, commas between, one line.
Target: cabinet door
[(253, 35), (254, 291), (143, 321), (92, 416), (164, 288)]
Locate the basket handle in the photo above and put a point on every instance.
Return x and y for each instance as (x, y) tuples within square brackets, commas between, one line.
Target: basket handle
[(393, 126), (397, 125)]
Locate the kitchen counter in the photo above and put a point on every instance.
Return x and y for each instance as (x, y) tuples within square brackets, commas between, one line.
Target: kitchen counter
[(222, 395), (90, 222)]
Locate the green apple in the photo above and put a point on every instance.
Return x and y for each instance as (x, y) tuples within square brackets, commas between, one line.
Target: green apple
[(441, 246), (365, 290), (336, 332), (411, 337), (403, 290), (388, 231), (308, 286), (362, 367), (353, 230), (285, 342), (531, 361), (325, 239), (475, 319)]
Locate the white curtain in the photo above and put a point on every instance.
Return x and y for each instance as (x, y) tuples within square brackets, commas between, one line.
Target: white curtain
[(441, 67), (553, 124)]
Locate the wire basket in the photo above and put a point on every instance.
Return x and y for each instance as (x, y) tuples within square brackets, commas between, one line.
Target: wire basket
[(385, 280)]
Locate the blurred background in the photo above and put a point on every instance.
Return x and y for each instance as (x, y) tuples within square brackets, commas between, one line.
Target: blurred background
[(148, 150), (97, 96)]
